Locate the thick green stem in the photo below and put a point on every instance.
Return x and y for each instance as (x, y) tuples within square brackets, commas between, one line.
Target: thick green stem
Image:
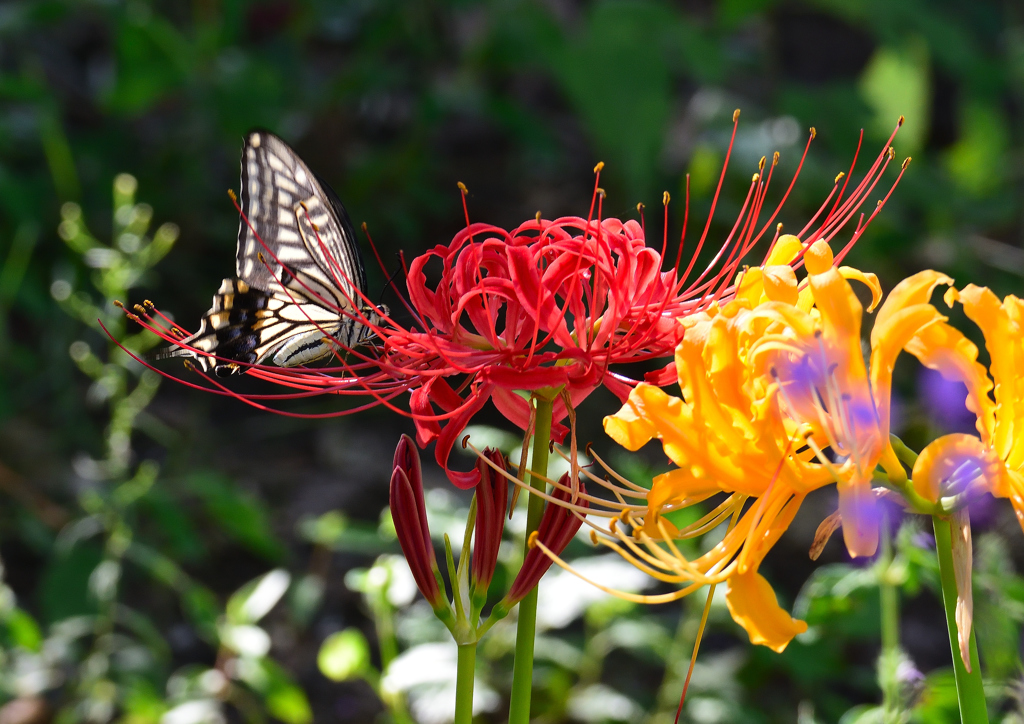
[(522, 672), (969, 690), (464, 684)]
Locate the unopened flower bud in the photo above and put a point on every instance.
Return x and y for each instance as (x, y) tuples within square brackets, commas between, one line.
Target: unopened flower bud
[(557, 527), (410, 515), (491, 505)]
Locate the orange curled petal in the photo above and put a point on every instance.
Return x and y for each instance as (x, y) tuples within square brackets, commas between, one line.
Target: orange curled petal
[(915, 289), (754, 606), (859, 510), (632, 426), (818, 258), (941, 458), (785, 251), (867, 279), (780, 284), (944, 348), (679, 484)]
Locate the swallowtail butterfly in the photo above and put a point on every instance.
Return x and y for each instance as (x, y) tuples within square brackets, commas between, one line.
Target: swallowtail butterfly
[(297, 289)]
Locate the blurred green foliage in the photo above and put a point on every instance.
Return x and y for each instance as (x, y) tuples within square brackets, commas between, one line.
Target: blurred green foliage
[(139, 521)]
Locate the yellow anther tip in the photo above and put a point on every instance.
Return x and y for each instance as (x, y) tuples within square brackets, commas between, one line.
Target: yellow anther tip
[(531, 542), (665, 197), (599, 167), (814, 132), (735, 115), (900, 121), (462, 187)]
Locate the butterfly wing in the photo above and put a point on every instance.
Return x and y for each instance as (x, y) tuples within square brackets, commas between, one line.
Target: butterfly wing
[(295, 234), (299, 271)]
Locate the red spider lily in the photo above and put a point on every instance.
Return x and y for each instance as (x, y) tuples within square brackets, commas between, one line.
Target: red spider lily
[(546, 308)]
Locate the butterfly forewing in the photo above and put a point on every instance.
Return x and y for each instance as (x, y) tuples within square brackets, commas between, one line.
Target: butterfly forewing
[(296, 233)]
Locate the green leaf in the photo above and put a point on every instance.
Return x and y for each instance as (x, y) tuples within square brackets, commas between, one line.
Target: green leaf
[(978, 160), (64, 590), (254, 600), (616, 75), (238, 512), (23, 630), (283, 698), (344, 655), (897, 81)]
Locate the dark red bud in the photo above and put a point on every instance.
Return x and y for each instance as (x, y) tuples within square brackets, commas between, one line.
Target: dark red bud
[(491, 506), (409, 512), (557, 527)]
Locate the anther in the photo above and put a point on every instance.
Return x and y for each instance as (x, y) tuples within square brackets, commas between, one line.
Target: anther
[(259, 255), (900, 121), (892, 153), (601, 193), (189, 366), (839, 176), (774, 373), (598, 167), (878, 204), (613, 525), (817, 334), (754, 178), (760, 164), (232, 196), (364, 227), (462, 187), (593, 536), (531, 542), (465, 442), (139, 308), (537, 217), (906, 162), (117, 303), (778, 228), (775, 159), (665, 198), (735, 115), (148, 304), (640, 208), (814, 132)]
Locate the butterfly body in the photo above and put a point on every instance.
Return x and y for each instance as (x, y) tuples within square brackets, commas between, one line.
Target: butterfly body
[(301, 290)]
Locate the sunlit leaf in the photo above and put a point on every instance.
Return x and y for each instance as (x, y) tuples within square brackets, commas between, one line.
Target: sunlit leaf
[(344, 655)]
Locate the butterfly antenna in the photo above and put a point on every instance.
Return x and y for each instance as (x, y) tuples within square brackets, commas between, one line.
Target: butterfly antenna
[(391, 280)]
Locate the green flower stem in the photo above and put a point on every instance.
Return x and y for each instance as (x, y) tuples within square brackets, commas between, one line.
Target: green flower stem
[(890, 623), (464, 684), (522, 672), (969, 690)]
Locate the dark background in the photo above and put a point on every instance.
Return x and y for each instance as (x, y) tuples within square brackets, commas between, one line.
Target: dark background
[(393, 103)]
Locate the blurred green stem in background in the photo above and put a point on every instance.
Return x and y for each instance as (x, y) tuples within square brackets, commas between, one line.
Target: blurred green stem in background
[(522, 672), (969, 689), (889, 604)]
